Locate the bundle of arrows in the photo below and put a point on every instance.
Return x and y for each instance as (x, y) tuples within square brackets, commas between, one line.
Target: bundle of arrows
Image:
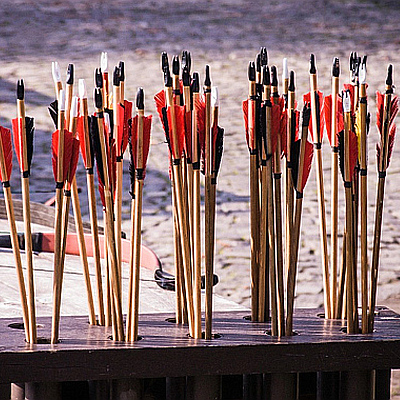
[(195, 142), (272, 134), (105, 142)]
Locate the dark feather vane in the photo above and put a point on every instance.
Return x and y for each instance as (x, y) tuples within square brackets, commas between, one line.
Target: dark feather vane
[(53, 110)]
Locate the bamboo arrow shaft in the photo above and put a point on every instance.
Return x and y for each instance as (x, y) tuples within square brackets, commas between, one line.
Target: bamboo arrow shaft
[(375, 250), (82, 250), (197, 252), (334, 197), (96, 244), (263, 251), (135, 263), (17, 255)]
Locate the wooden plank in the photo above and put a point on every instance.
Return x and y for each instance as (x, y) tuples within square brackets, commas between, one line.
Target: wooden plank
[(86, 353)]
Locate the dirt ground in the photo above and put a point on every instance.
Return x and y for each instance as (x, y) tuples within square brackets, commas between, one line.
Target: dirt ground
[(225, 35)]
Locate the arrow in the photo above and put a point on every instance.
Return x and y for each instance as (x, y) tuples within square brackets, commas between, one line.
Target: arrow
[(302, 154), (387, 110), (139, 150), (88, 160), (316, 129), (23, 129)]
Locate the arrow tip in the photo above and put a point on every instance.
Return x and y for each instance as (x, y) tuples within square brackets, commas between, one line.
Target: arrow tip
[(164, 61), (195, 83), (55, 70), (264, 56), (336, 67), (251, 71), (20, 89), (116, 76), (258, 62), (186, 60), (104, 61), (285, 72), (175, 65), (98, 98), (82, 89), (121, 67), (98, 78), (389, 78), (70, 74), (291, 82), (274, 76), (313, 69), (140, 99), (207, 81), (214, 97), (167, 78)]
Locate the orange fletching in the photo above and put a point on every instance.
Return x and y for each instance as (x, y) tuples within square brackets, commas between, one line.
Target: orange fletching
[(125, 113), (177, 148), (17, 128), (245, 106)]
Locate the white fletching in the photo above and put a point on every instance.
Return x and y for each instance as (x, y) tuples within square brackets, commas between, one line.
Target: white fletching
[(362, 76), (285, 73), (74, 107), (61, 100), (346, 101), (104, 61), (214, 97), (107, 122), (55, 70), (82, 89)]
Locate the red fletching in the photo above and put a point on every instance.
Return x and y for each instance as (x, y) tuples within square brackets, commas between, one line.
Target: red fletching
[(394, 109), (73, 162), (159, 98), (80, 128), (353, 152), (146, 140), (245, 106), (177, 148), (296, 134), (101, 192), (68, 152), (17, 128), (276, 115), (308, 157), (5, 136), (188, 135), (125, 113), (307, 99), (327, 112)]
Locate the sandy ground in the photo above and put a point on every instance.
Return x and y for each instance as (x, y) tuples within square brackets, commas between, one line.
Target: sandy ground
[(225, 35)]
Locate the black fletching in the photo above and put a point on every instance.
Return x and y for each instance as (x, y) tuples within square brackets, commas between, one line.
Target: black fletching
[(30, 130), (131, 163), (318, 113), (166, 128), (111, 118), (263, 128), (53, 111), (219, 149), (95, 143), (295, 155)]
